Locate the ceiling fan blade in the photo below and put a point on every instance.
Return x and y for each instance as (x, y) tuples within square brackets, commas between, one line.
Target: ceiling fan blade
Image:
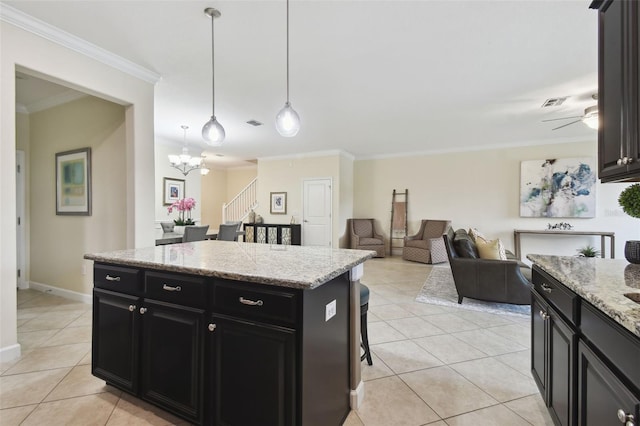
[(565, 125), (562, 118)]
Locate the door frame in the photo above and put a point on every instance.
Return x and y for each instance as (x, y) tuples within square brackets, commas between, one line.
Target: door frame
[(21, 210), (327, 178)]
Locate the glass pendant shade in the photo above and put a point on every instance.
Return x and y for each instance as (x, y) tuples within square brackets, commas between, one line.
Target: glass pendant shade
[(591, 117), (288, 121), (213, 132)]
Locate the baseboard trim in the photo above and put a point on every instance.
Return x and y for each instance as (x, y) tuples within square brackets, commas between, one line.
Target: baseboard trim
[(357, 396), (56, 291), (9, 353)]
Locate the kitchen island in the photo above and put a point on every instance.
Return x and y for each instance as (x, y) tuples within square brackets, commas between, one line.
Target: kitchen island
[(585, 339), (232, 333)]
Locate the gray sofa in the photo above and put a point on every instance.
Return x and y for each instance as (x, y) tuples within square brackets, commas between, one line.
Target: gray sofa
[(504, 281)]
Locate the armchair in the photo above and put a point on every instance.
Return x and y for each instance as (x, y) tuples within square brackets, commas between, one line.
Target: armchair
[(364, 236), (427, 245)]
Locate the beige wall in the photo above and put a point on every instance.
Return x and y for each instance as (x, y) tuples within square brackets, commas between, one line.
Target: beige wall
[(22, 144), (345, 203), (214, 194), (238, 178), (59, 242), (287, 175), (481, 189), (43, 58)]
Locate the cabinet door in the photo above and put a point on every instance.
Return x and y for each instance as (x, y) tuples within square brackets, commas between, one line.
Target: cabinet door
[(253, 374), (602, 398), (115, 339), (173, 354), (561, 355), (611, 146), (539, 343)]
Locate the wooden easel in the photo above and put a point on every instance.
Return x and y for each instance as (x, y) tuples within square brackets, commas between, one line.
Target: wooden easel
[(398, 226)]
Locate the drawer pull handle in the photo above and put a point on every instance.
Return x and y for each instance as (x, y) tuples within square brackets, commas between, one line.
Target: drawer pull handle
[(212, 327), (132, 308), (546, 287), (170, 288), (544, 315), (110, 278), (625, 418), (143, 310), (250, 302)]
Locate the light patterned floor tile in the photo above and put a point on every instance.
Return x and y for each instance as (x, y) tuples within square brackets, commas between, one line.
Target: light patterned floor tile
[(381, 332), (50, 357), (15, 416), (131, 410), (520, 361), (30, 388), (489, 343), (447, 392), (389, 401), (80, 411), (449, 349), (405, 356), (70, 335), (451, 323), (377, 370), (80, 382), (531, 408), (353, 419), (495, 378), (497, 415), (414, 327), (519, 333), (422, 309), (390, 312)]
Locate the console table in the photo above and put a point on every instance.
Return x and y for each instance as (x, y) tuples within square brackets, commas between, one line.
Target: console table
[(272, 233), (554, 232)]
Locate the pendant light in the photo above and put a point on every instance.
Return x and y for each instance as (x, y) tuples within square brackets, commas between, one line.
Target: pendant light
[(185, 162), (212, 131), (287, 120)]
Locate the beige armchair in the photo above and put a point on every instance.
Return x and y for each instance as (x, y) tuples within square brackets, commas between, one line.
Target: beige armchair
[(427, 246), (364, 236)]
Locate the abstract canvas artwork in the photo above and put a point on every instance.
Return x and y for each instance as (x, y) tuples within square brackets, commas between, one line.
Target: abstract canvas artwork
[(563, 187)]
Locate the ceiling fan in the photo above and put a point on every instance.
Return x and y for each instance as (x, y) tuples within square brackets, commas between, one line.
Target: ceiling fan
[(590, 117)]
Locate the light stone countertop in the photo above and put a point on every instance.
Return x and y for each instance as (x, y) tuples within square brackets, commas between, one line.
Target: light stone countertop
[(601, 282), (282, 265)]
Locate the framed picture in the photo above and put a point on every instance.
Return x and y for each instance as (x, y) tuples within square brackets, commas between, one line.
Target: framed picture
[(73, 182), (278, 203), (173, 190)]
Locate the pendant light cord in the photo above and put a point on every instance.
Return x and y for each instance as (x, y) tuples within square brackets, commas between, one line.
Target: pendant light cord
[(287, 51), (213, 70)]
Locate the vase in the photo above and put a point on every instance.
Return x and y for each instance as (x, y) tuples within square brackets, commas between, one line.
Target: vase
[(179, 229), (632, 251), (252, 216)]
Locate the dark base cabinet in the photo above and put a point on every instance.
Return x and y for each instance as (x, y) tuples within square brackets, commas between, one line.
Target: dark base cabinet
[(603, 399), (221, 352)]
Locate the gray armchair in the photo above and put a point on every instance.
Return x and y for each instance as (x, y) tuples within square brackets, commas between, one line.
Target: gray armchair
[(427, 245), (364, 236), (504, 281)]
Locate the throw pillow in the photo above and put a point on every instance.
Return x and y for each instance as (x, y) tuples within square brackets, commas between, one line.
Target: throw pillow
[(474, 233), (491, 249), (463, 245)]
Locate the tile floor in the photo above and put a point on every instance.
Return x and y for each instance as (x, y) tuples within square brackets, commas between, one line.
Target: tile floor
[(431, 364)]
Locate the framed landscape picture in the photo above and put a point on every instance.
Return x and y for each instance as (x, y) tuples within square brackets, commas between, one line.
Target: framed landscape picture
[(278, 203), (73, 182), (173, 190)]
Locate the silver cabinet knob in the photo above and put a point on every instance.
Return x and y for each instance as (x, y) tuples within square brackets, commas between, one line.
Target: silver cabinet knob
[(629, 160), (546, 288), (544, 315), (212, 327), (143, 310), (132, 308), (625, 160), (625, 418), (619, 162)]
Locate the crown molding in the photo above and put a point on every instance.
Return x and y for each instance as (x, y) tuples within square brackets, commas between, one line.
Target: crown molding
[(47, 31)]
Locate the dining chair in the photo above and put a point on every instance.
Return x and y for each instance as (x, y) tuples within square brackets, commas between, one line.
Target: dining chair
[(194, 233), (228, 232)]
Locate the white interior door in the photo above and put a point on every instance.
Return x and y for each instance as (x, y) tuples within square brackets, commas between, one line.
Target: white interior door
[(21, 258), (316, 214)]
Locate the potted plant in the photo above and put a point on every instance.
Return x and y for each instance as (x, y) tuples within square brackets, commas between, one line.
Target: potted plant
[(588, 251), (629, 200), (184, 207)]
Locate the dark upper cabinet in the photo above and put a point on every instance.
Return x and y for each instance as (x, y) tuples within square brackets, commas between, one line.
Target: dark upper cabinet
[(618, 90)]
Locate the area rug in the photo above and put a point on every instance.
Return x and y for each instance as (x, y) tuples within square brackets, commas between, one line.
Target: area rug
[(439, 289)]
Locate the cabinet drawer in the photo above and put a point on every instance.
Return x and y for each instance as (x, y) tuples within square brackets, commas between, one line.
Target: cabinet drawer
[(564, 300), (254, 302), (175, 288), (617, 344), (118, 278)]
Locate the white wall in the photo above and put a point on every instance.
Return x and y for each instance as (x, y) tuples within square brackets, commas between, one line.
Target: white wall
[(43, 58), (481, 189)]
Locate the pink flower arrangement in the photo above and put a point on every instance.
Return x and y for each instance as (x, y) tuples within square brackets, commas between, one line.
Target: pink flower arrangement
[(184, 206)]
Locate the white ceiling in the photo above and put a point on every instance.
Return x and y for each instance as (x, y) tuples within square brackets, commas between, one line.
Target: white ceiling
[(373, 78)]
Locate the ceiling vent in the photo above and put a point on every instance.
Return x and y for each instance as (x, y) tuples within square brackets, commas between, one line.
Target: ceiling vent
[(254, 123), (551, 102)]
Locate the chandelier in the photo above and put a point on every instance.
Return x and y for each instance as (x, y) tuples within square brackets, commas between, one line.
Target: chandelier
[(185, 162)]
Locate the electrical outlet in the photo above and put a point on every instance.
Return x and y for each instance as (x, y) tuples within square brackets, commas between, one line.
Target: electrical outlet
[(330, 310)]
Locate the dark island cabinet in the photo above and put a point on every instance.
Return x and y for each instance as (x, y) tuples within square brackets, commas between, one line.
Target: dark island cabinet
[(253, 373), (224, 352), (618, 90), (552, 360), (603, 399), (115, 340)]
